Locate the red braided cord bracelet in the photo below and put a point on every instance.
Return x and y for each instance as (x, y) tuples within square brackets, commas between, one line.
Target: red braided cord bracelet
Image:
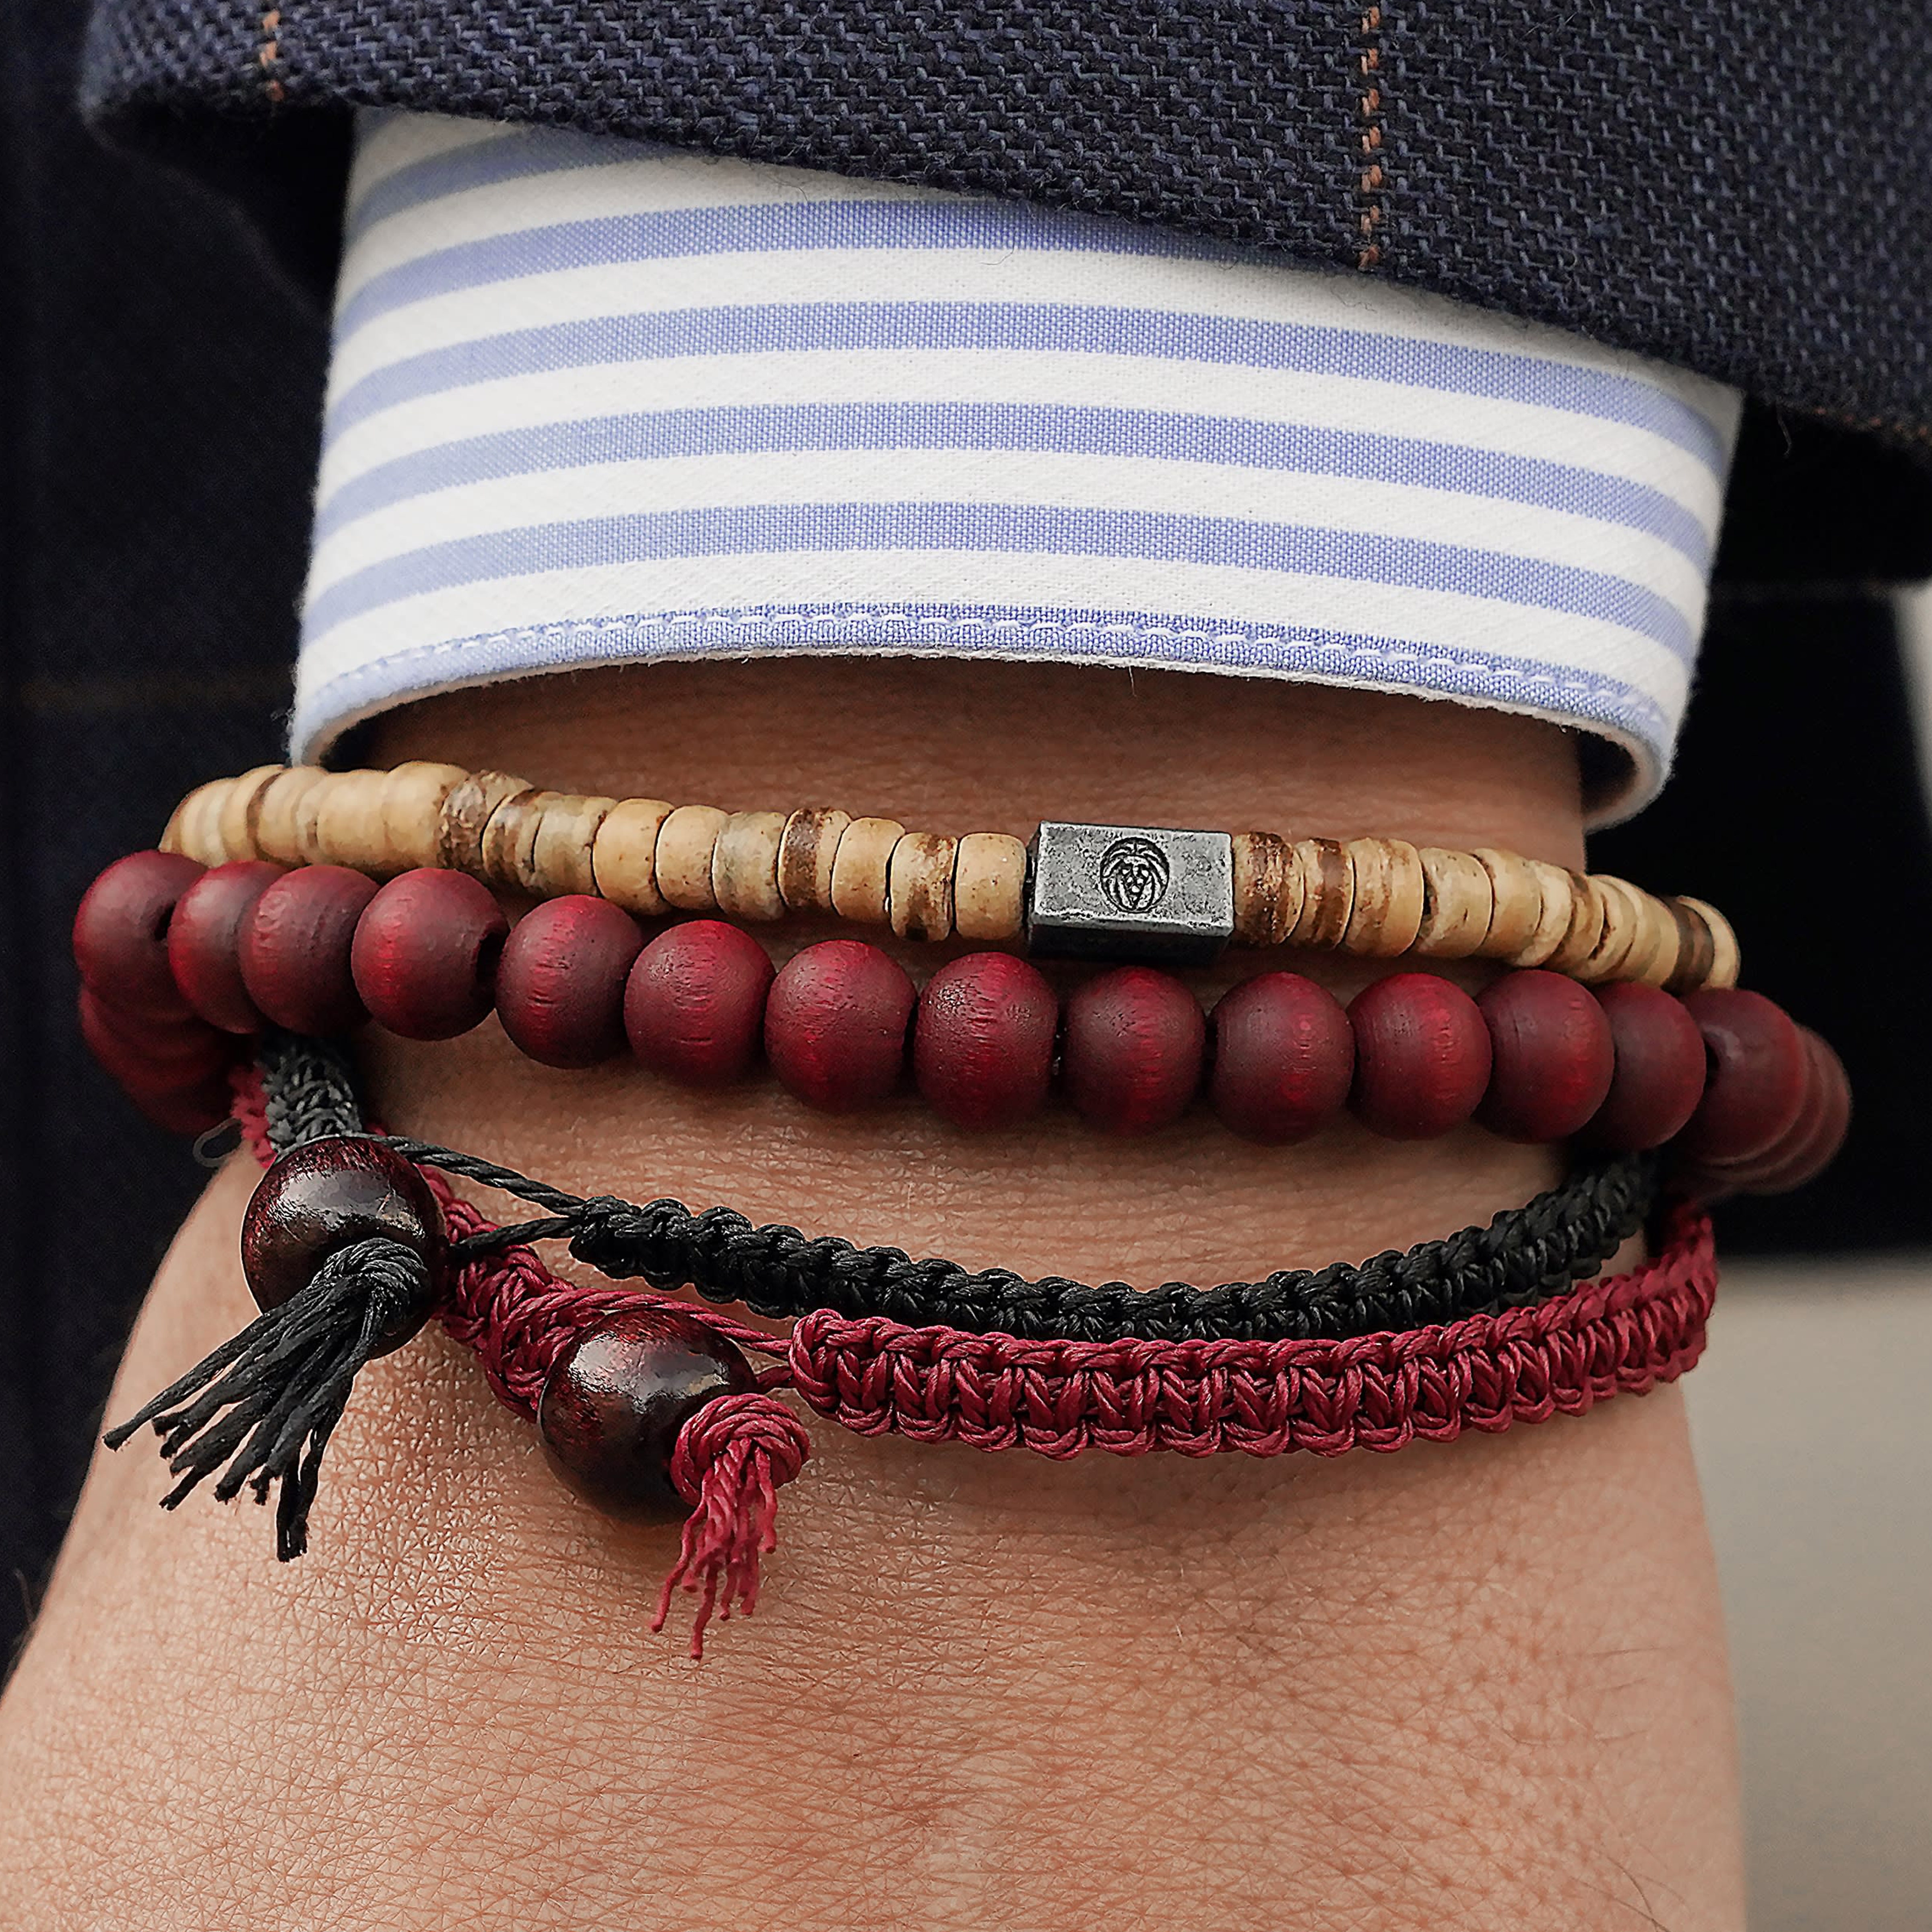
[(1128, 1397)]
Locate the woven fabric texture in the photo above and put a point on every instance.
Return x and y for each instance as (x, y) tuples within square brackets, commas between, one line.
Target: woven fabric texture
[(1740, 193), (595, 401)]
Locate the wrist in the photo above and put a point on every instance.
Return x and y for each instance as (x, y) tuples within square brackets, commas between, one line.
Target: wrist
[(1068, 1689)]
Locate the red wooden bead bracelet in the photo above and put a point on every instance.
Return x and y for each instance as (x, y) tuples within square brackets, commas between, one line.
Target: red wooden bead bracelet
[(180, 964)]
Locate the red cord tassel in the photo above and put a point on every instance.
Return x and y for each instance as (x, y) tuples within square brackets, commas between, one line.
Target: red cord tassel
[(730, 1459)]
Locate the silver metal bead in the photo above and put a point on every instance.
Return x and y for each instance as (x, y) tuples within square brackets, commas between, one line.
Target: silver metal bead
[(1130, 892)]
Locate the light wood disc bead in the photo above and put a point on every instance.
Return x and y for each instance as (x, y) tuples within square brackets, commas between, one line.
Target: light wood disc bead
[(861, 872), (467, 810), (1585, 927), (1556, 898), (308, 818), (509, 839), (989, 887), (1460, 905), (918, 886), (1623, 931), (1725, 961), (1660, 944), (524, 830), (197, 825), (807, 849), (242, 807), (561, 861), (1390, 893), (1648, 936), (1697, 951), (348, 829), (412, 796), (687, 844), (624, 855), (745, 865), (275, 834), (1268, 889), (1518, 912), (1328, 892), (170, 840)]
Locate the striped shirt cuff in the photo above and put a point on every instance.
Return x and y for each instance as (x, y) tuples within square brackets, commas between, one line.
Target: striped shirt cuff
[(592, 402)]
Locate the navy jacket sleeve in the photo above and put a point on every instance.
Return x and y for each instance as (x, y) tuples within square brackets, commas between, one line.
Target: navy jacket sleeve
[(1719, 188)]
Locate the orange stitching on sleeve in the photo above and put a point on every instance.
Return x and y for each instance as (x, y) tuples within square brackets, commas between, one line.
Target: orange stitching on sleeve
[(270, 53), (1371, 190)]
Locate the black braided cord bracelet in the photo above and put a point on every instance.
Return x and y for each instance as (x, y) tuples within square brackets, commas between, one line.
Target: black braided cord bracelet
[(1522, 1255)]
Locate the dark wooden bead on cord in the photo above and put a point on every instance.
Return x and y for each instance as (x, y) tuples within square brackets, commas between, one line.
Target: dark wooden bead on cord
[(296, 944), (425, 953), (120, 931), (1659, 1075), (1758, 1074), (326, 1194), (616, 1399), (694, 1003), (1551, 1057), (1422, 1056), (560, 980), (835, 1024), (983, 1041), (1134, 1042), (205, 942), (1284, 1058)]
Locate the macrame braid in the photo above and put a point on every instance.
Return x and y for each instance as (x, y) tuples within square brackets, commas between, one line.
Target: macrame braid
[(1479, 1331)]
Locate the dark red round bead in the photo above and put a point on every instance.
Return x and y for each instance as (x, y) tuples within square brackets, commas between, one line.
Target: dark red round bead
[(1135, 1043), (616, 1399), (1827, 1118), (1659, 1078), (695, 1004), (326, 1194), (1422, 1056), (1758, 1073), (983, 1042), (120, 931), (189, 1112), (205, 942), (424, 955), (835, 1023), (295, 942), (1284, 1058), (168, 1048), (174, 1070), (1551, 1056), (560, 980), (1805, 1152)]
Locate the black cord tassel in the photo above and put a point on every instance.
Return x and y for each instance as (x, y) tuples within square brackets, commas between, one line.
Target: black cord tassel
[(265, 1403)]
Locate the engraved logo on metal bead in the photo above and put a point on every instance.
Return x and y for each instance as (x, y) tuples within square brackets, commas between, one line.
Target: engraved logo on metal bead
[(1135, 874)]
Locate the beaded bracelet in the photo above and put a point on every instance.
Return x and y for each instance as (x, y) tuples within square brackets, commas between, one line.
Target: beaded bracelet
[(649, 1408), (1089, 891), (1535, 1057)]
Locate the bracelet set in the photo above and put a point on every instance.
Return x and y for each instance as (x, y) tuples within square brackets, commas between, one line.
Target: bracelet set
[(219, 976)]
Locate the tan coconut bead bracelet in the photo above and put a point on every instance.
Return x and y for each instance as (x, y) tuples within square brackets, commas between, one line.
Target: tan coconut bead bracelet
[(1130, 894)]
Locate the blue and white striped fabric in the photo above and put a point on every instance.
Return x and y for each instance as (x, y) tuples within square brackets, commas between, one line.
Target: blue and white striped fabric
[(593, 402)]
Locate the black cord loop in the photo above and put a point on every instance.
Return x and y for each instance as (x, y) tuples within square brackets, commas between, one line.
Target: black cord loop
[(1524, 1255)]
